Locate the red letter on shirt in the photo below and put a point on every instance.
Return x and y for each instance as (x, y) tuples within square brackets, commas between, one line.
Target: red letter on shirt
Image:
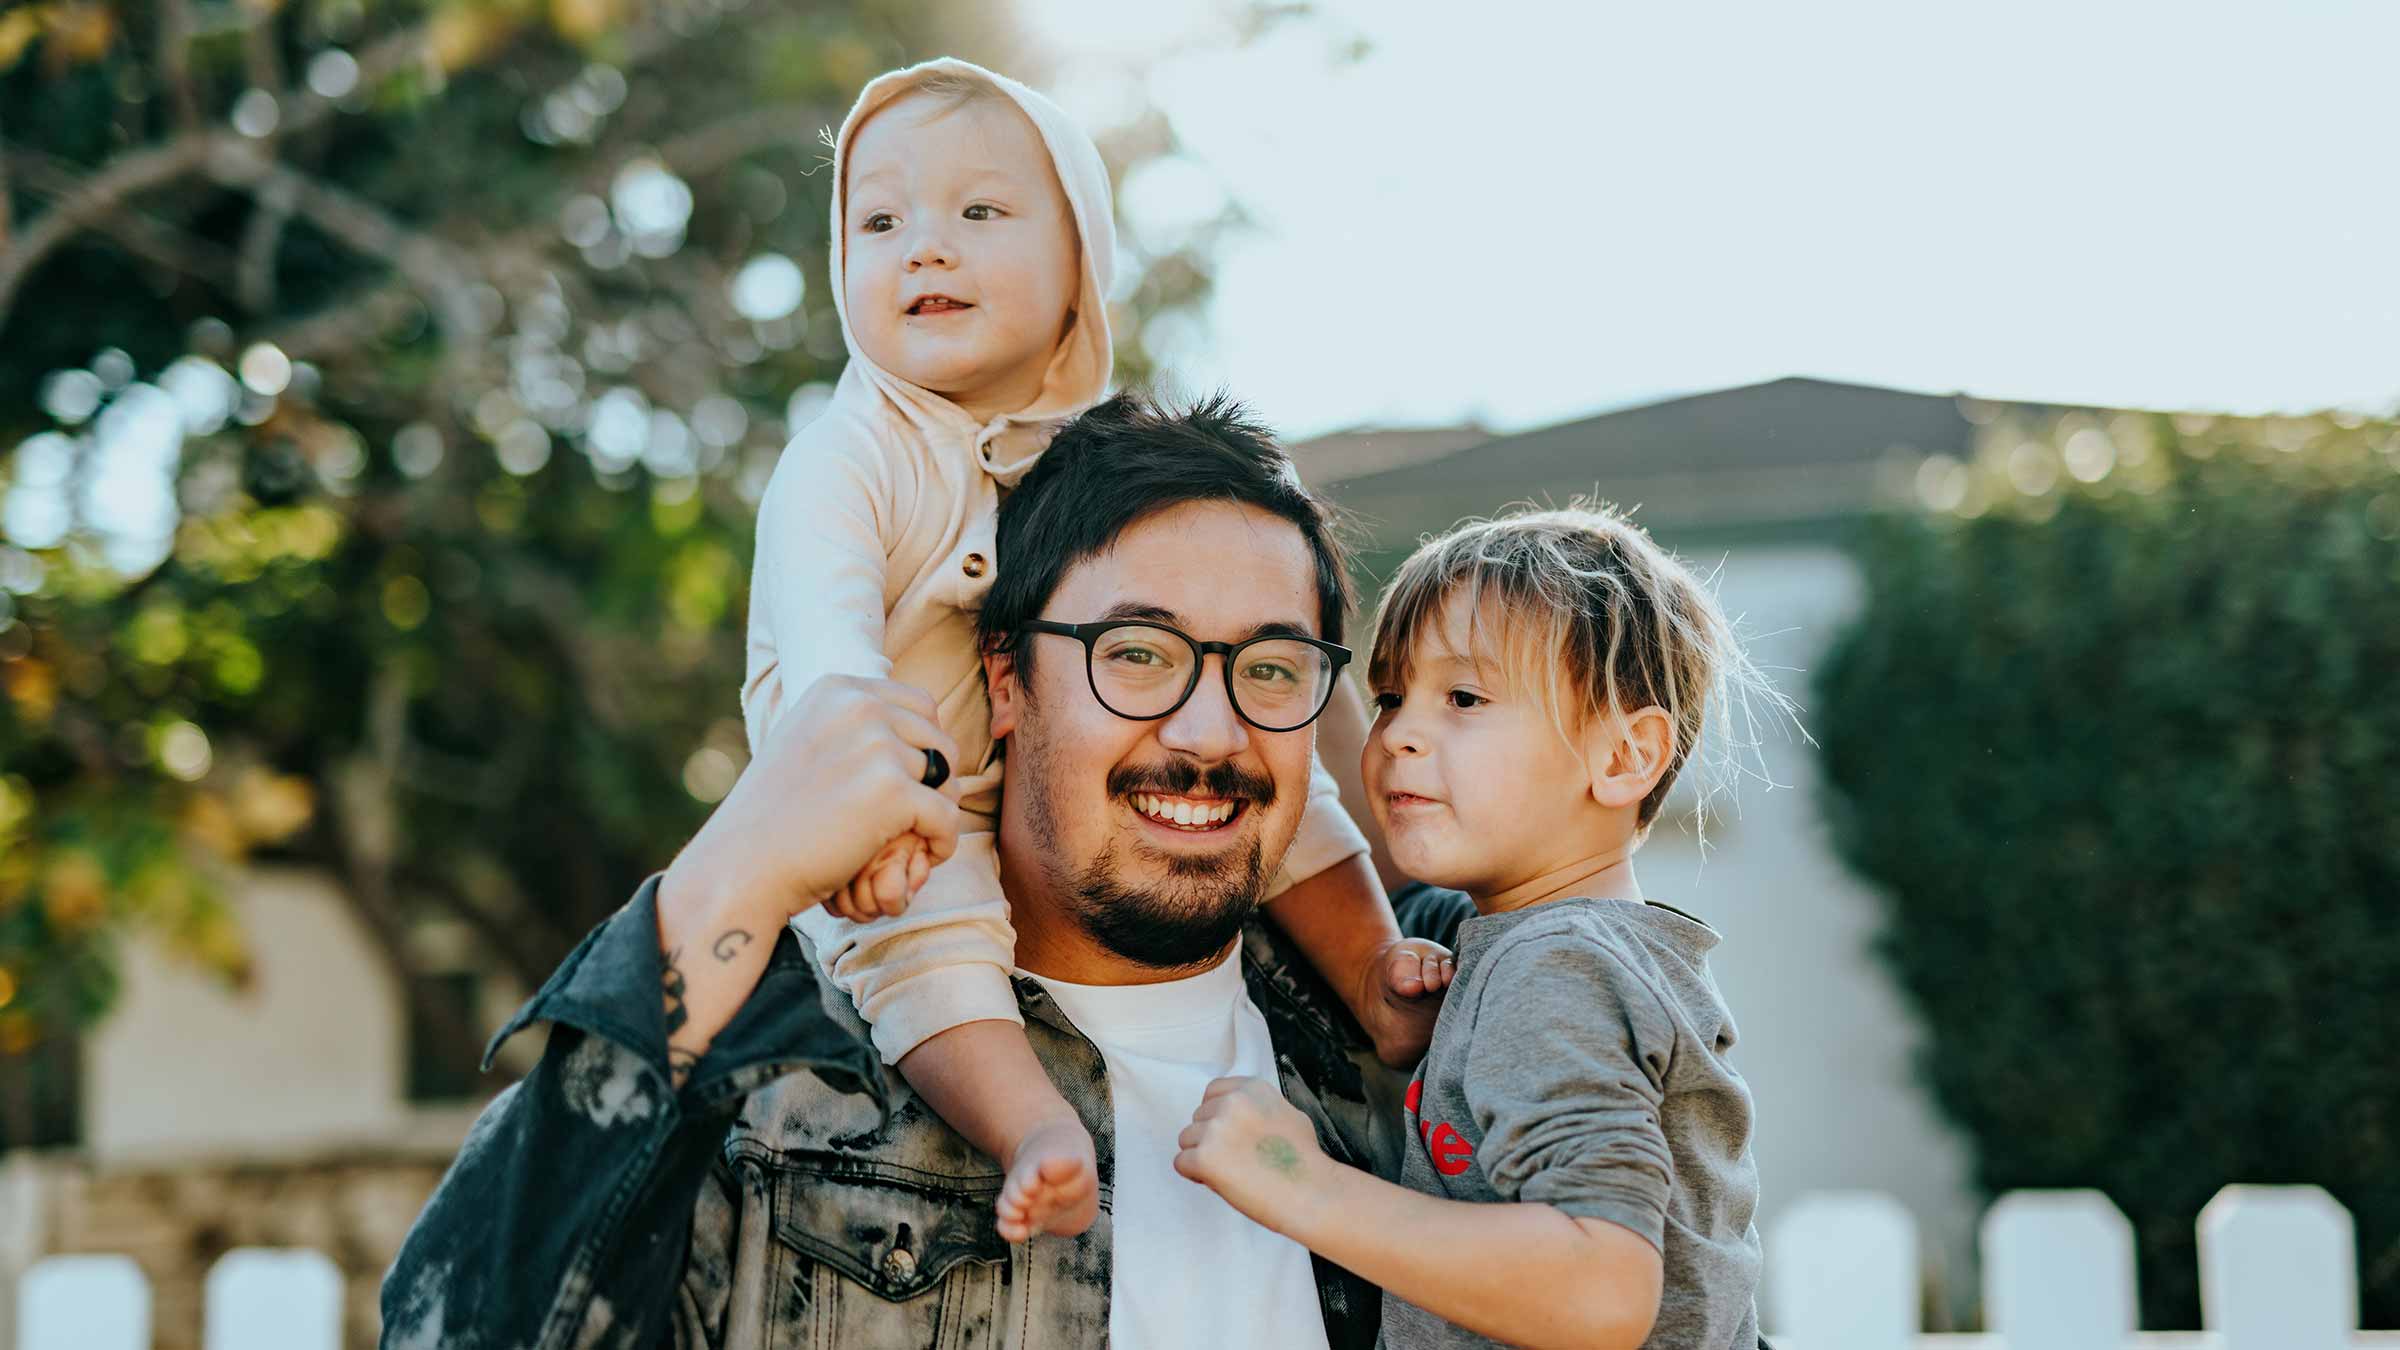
[(1452, 1154)]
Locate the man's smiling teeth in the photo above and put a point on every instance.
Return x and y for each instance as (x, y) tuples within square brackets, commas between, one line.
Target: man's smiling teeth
[(1178, 811)]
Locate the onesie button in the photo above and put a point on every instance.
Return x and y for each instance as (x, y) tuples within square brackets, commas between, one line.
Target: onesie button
[(974, 566)]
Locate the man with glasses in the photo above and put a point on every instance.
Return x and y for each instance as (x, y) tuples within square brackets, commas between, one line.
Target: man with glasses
[(1164, 629)]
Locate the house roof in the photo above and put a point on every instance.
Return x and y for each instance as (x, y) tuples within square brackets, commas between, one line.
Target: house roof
[(1344, 455), (1793, 449)]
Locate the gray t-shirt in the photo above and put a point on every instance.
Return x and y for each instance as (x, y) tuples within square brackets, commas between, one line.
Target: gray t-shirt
[(1579, 1062)]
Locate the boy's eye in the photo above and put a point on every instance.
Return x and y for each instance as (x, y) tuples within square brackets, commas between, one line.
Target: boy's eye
[(981, 211), (1462, 700), (1386, 702), (878, 223)]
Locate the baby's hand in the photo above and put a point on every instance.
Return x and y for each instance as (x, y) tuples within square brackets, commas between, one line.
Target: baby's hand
[(1415, 975), (1256, 1150), (885, 884)]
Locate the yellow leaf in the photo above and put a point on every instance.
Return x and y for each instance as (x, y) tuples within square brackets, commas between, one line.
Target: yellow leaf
[(18, 29), (34, 686), (74, 891), (210, 823), (582, 21), (82, 33), (271, 807)]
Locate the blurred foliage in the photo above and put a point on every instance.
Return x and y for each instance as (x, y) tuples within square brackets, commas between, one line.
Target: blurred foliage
[(391, 386), (2115, 737)]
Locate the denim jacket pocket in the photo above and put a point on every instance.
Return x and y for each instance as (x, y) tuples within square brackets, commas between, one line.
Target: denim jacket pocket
[(886, 1257)]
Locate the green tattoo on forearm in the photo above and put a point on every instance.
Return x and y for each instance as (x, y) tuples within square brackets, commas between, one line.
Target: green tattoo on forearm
[(1278, 1154)]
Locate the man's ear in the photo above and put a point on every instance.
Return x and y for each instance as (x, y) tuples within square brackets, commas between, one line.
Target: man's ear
[(1627, 756), (1008, 698)]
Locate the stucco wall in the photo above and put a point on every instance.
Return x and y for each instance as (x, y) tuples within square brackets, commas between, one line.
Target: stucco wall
[(1826, 1045), (311, 1056)]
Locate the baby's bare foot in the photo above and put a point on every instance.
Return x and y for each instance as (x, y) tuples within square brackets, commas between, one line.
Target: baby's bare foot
[(1053, 1183)]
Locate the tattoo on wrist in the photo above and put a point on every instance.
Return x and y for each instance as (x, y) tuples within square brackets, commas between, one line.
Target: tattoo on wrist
[(728, 942), (671, 988), (1279, 1155)]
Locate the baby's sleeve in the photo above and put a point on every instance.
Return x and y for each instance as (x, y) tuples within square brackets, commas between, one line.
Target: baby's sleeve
[(1569, 1076), (1327, 834), (943, 963), (816, 577)]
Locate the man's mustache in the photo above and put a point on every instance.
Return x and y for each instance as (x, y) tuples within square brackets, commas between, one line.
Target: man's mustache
[(1183, 778)]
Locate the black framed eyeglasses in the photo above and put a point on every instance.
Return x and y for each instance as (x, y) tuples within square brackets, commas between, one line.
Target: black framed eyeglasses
[(1145, 671)]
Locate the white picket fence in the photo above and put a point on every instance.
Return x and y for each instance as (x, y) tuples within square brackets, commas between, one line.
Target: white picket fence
[(2278, 1271)]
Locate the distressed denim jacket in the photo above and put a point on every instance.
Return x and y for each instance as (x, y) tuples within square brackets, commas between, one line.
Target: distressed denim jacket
[(795, 1193)]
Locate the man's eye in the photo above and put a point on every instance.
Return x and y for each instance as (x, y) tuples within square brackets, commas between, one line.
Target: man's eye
[(878, 223), (988, 212), (1135, 656), (1270, 673), (1461, 699)]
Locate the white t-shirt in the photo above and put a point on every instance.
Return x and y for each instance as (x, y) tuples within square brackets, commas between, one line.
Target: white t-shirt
[(1188, 1269)]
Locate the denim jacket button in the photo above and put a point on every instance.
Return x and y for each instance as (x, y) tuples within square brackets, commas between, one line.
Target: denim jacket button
[(898, 1265)]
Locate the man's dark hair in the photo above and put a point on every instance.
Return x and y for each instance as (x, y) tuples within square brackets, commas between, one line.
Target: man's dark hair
[(1126, 458)]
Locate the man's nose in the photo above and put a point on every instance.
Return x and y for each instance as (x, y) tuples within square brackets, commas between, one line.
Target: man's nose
[(1206, 726)]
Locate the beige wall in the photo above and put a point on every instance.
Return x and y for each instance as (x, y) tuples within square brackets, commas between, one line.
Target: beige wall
[(311, 1057), (1825, 1042)]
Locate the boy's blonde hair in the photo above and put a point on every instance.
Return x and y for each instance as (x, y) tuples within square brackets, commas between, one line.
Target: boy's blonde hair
[(1580, 609)]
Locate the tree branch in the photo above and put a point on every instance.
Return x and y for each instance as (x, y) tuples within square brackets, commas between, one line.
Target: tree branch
[(142, 234), (94, 199), (702, 150), (175, 60), (262, 238), (441, 274)]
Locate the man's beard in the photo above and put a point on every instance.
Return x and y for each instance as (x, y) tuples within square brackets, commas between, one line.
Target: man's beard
[(1187, 920), (1182, 924)]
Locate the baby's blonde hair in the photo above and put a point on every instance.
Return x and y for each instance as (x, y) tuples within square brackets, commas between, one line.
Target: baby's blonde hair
[(1580, 609)]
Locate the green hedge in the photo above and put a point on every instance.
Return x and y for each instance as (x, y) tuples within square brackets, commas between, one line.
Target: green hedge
[(2123, 758)]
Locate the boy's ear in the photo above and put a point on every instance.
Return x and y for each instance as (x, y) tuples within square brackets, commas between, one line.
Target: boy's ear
[(1000, 679), (1627, 756)]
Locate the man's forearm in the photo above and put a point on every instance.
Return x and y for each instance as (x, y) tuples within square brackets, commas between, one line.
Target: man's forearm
[(713, 942), (1527, 1274)]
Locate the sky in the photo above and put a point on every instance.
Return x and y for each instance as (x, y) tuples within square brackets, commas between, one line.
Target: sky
[(1515, 212)]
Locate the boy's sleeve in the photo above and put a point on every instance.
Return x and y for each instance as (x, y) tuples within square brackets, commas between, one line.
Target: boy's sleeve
[(816, 577), (943, 963), (1327, 834), (1572, 1056)]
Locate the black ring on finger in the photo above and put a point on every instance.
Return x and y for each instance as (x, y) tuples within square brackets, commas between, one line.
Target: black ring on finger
[(937, 769)]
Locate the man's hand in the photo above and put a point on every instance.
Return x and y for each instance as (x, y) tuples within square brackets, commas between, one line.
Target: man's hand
[(838, 780), (840, 777), (1256, 1150)]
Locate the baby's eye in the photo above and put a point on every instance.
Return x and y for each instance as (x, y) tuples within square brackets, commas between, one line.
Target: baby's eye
[(878, 223), (988, 211), (1462, 700)]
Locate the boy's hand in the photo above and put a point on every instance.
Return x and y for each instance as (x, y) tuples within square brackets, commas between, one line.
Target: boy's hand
[(1256, 1150), (838, 780), (1415, 975)]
